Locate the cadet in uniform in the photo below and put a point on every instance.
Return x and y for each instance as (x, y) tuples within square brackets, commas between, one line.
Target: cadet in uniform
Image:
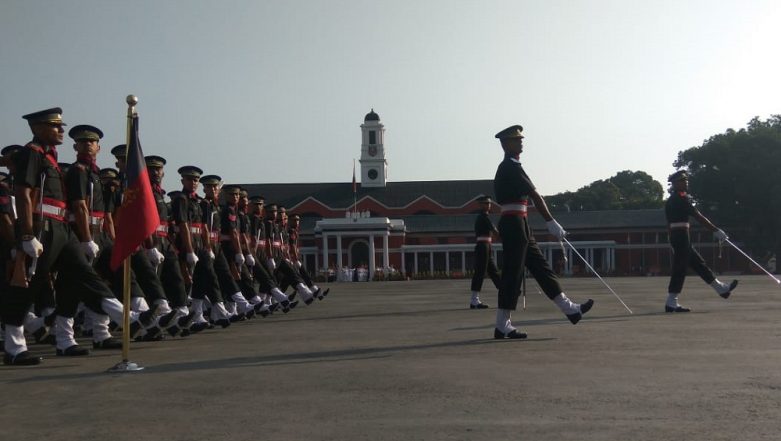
[(294, 252), (37, 173), (260, 247), (678, 208), (513, 189), (484, 260), (237, 304), (288, 273), (162, 255), (195, 254)]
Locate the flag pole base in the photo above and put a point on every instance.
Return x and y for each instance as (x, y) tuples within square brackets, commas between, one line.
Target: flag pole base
[(125, 366)]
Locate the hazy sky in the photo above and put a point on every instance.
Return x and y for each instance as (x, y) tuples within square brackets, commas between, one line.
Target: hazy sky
[(261, 91)]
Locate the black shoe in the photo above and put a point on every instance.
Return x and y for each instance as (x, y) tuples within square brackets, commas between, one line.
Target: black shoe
[(584, 308), (72, 351), (479, 306), (325, 293), (173, 331), (499, 335), (113, 326), (153, 334), (166, 320), (675, 309), (198, 327), (109, 343), (185, 333), (237, 318), (309, 301), (224, 323), (186, 321), (22, 359), (732, 286), (136, 330), (291, 296), (147, 318), (273, 307)]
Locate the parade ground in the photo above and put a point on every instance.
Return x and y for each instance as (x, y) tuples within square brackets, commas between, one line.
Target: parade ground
[(410, 361)]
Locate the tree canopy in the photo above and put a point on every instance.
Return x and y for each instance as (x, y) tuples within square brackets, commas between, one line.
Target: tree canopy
[(625, 191), (736, 177)]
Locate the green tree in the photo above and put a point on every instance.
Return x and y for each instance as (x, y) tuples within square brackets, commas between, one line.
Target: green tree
[(626, 190), (735, 177)]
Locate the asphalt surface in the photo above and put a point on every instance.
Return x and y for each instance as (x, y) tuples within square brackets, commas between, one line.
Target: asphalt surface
[(410, 361)]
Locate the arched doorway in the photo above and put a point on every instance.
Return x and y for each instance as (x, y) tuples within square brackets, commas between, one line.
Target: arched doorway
[(359, 253)]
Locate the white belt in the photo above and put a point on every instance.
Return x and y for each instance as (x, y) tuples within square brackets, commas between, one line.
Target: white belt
[(514, 207), (484, 239), (679, 225), (162, 228)]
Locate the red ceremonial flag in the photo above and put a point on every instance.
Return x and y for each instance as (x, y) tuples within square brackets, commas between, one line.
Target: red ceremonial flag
[(137, 218), (355, 185)]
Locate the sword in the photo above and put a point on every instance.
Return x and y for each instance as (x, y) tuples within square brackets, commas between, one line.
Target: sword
[(596, 274), (34, 264), (753, 261)]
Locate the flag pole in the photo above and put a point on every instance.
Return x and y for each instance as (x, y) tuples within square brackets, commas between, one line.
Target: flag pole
[(126, 365), (355, 189)]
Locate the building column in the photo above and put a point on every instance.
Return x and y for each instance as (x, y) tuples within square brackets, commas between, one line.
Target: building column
[(339, 252), (463, 262), (447, 262), (371, 257), (325, 252), (416, 263), (431, 262), (403, 268), (385, 252)]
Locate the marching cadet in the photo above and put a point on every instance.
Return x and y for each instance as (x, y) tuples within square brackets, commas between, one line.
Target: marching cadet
[(47, 240), (288, 272), (246, 282), (228, 274), (678, 208), (162, 255), (294, 251), (260, 247), (195, 254), (484, 260), (513, 189)]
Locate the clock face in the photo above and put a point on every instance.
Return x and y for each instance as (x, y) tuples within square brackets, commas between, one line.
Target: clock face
[(372, 150), (372, 174)]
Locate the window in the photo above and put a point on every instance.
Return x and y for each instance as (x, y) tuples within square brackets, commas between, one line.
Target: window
[(372, 137)]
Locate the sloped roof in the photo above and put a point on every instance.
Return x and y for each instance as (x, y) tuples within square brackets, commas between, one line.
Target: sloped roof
[(338, 195)]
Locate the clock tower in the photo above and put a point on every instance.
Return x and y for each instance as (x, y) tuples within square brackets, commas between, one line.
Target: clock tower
[(374, 166)]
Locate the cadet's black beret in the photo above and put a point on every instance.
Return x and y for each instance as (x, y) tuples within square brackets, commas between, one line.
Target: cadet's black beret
[(510, 132), (84, 131), (109, 173), (677, 176), (483, 199), (154, 161), (48, 116), (231, 189), (210, 180), (190, 170), (119, 151), (257, 199), (10, 149)]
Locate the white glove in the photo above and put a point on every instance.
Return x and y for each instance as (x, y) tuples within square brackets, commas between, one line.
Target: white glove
[(211, 255), (91, 249), (239, 259), (155, 256), (272, 264), (32, 247), (299, 264), (192, 259), (720, 235), (250, 260), (555, 229)]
